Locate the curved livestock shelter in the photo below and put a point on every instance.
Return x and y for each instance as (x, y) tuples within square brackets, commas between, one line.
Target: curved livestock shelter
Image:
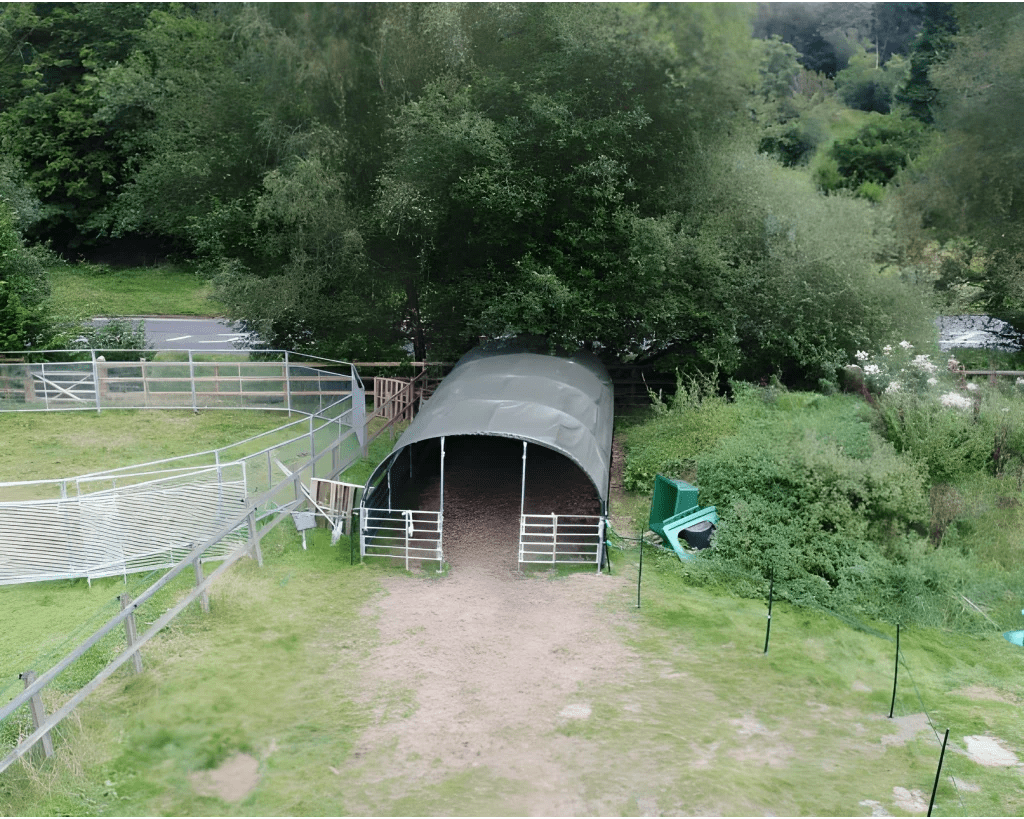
[(512, 449)]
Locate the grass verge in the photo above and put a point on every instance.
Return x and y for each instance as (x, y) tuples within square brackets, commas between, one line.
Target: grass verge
[(87, 290)]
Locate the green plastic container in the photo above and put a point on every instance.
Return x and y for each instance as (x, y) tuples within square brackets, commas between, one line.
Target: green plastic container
[(671, 498)]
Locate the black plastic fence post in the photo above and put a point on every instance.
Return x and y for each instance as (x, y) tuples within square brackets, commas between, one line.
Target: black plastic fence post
[(768, 629), (895, 673), (938, 771), (351, 535), (640, 573)]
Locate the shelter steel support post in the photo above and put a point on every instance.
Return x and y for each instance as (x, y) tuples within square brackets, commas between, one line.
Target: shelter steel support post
[(131, 634), (442, 478), (35, 706), (522, 487), (522, 508)]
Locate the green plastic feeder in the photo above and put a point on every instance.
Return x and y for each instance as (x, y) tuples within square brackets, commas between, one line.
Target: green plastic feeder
[(671, 498)]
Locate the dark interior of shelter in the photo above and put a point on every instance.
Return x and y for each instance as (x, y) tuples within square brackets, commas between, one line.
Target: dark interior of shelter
[(482, 485)]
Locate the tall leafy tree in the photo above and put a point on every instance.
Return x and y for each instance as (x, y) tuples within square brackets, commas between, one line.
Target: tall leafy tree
[(524, 189), (24, 323), (968, 184), (74, 160)]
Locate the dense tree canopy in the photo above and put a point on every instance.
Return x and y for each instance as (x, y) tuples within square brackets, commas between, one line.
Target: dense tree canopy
[(371, 179)]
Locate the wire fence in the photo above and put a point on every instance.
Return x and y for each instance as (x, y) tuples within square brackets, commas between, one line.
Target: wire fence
[(146, 516), (153, 379), (907, 699)]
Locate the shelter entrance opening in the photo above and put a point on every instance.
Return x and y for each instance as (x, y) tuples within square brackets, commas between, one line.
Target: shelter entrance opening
[(506, 464)]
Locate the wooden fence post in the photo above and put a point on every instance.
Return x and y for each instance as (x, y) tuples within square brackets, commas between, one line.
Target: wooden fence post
[(35, 705), (131, 635), (254, 539), (204, 598)]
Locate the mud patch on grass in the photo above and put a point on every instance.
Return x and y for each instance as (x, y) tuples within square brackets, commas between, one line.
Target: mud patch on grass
[(910, 801), (907, 729), (984, 692)]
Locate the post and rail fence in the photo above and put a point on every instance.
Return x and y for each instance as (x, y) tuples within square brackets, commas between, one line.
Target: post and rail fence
[(336, 437), (180, 379)]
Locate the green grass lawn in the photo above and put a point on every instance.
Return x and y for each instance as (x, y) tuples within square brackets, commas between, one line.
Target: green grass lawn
[(85, 290), (713, 725), (64, 444), (701, 721)]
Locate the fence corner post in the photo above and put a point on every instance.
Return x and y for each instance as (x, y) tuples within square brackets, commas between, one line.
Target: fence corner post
[(96, 381), (131, 635), (35, 705), (288, 383)]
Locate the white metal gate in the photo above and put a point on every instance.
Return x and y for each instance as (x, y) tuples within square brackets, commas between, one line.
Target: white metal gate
[(555, 539), (63, 383), (408, 534)]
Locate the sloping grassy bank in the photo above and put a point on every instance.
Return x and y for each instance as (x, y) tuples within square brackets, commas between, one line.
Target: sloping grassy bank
[(897, 507), (701, 722)]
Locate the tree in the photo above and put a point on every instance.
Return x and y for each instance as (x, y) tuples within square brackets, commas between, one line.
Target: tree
[(23, 290), (968, 183), (866, 86), (929, 48), (525, 191), (74, 160), (875, 154)]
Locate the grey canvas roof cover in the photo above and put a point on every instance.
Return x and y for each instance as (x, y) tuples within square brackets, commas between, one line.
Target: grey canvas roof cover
[(514, 388)]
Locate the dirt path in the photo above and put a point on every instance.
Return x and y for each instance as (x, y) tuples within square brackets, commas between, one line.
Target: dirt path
[(493, 663), (477, 671)]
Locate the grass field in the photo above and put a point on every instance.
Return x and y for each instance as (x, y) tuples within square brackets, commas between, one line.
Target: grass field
[(64, 444), (701, 721), (85, 290), (695, 719)]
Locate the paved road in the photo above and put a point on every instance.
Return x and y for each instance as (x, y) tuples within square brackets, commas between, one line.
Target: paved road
[(974, 331), (184, 333)]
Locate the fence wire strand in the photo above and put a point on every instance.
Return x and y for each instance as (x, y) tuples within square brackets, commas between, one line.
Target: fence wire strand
[(850, 621)]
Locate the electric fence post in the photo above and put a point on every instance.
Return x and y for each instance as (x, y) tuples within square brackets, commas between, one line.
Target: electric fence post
[(640, 573), (895, 673)]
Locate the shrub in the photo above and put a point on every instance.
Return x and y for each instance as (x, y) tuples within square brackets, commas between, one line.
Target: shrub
[(950, 442)]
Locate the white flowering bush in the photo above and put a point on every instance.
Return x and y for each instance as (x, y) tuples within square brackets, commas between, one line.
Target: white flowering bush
[(928, 410), (956, 400), (898, 370)]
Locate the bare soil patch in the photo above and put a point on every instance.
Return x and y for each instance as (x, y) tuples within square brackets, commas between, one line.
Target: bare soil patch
[(990, 751), (984, 692), (907, 728), (479, 669), (232, 781)]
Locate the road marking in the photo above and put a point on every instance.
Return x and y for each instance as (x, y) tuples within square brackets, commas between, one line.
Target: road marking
[(179, 338)]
